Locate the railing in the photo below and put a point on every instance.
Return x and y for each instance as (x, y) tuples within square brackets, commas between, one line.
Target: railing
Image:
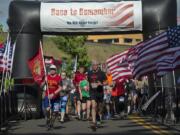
[(166, 107), (8, 107)]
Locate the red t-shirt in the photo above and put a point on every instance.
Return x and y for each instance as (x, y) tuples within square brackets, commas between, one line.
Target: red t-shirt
[(53, 84), (78, 77), (118, 90)]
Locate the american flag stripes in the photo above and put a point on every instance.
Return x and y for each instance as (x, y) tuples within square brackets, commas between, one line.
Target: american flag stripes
[(148, 55), (124, 15), (172, 60), (133, 55), (157, 55), (158, 52), (114, 65), (6, 56)]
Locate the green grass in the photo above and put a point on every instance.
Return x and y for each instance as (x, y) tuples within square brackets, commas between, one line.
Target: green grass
[(95, 52), (50, 49), (101, 53)]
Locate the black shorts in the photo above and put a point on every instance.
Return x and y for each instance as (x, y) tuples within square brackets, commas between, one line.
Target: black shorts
[(85, 99), (98, 97), (114, 98), (77, 96)]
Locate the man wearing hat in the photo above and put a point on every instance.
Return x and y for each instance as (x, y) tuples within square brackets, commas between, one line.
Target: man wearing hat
[(51, 100)]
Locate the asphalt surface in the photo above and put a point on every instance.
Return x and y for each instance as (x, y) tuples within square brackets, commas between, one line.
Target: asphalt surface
[(133, 125)]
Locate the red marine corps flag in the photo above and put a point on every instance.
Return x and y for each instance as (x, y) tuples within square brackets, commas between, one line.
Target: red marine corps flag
[(36, 65)]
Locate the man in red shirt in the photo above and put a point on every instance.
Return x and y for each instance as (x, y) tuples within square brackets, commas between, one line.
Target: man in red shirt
[(79, 76), (51, 99)]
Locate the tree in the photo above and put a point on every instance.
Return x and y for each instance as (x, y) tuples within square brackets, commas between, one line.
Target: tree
[(1, 28), (1, 33), (75, 46)]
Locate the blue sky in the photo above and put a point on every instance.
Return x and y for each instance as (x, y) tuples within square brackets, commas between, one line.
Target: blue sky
[(4, 5)]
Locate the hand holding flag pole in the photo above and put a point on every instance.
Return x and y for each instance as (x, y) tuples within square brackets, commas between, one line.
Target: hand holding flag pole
[(37, 67), (46, 81)]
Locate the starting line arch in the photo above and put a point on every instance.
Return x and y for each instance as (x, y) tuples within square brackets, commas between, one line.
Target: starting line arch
[(29, 20)]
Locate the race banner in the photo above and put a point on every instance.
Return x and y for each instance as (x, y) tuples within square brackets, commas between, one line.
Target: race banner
[(91, 16)]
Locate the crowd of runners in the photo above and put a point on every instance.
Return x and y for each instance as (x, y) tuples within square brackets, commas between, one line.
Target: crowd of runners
[(90, 96)]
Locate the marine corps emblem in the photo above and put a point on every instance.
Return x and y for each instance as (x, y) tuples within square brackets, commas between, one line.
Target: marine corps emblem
[(37, 68)]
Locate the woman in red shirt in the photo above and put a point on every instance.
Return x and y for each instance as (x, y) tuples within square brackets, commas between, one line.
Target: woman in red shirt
[(117, 91), (79, 76)]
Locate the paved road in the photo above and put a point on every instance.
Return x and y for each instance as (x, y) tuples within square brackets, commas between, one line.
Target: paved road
[(133, 125)]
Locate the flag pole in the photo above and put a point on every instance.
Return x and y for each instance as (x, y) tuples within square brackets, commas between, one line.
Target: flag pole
[(75, 64), (46, 82), (175, 86), (163, 102), (3, 75), (174, 81), (12, 61), (6, 83)]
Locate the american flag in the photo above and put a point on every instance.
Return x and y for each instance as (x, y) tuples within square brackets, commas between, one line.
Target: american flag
[(133, 55), (124, 15), (118, 67), (151, 53), (6, 56), (172, 60)]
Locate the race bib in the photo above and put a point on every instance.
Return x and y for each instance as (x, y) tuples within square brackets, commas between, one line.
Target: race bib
[(94, 85), (121, 99), (56, 107)]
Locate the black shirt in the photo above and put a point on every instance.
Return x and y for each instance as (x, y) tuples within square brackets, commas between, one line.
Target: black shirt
[(95, 77)]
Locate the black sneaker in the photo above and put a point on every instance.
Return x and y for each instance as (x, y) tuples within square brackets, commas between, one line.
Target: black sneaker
[(67, 118), (47, 122), (93, 127), (51, 125), (48, 125)]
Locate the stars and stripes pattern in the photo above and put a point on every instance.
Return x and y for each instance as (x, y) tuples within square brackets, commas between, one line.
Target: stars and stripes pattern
[(148, 55), (172, 60), (157, 55), (116, 64), (133, 55), (6, 56), (124, 15)]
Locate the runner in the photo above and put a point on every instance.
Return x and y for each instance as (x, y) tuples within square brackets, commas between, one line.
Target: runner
[(118, 99), (52, 94), (96, 79), (79, 76), (85, 99), (107, 94), (67, 86)]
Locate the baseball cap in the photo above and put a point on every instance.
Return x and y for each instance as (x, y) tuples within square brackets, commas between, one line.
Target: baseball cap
[(52, 67)]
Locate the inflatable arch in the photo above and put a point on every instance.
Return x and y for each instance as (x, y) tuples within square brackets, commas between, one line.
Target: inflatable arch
[(29, 20)]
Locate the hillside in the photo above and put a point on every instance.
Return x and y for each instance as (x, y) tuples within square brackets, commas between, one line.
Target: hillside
[(50, 49), (99, 52)]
